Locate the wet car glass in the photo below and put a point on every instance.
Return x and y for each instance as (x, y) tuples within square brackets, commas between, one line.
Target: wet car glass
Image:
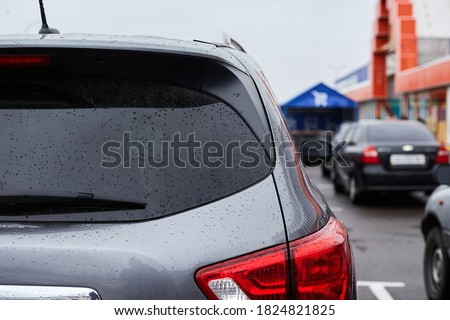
[(398, 132), (112, 137)]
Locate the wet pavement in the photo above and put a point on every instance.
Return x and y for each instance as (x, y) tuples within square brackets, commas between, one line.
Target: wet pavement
[(386, 240)]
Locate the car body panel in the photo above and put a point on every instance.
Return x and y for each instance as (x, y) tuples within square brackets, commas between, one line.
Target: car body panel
[(438, 206), (144, 260), (304, 208), (377, 178)]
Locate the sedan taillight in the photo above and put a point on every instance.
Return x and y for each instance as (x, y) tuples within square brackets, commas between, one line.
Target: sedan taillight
[(321, 267), (442, 156), (370, 156)]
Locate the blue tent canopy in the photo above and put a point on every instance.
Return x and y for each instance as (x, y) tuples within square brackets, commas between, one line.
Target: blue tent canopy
[(319, 108), (320, 96)]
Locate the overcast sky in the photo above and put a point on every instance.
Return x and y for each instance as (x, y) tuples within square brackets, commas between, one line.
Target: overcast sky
[(297, 42)]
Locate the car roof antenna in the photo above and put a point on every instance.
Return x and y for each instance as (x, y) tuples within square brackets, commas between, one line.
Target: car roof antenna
[(45, 29)]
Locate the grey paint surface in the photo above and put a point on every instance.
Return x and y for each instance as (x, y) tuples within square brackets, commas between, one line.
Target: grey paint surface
[(304, 209), (438, 205), (442, 212), (146, 260)]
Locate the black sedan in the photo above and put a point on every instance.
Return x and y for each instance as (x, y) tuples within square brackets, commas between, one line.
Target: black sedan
[(387, 155)]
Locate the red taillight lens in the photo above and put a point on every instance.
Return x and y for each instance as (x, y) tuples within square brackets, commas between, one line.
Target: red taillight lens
[(370, 156), (321, 269), (24, 60), (323, 264), (442, 156), (258, 276)]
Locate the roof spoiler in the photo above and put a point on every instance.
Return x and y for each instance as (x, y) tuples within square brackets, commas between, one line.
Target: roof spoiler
[(227, 42), (230, 42)]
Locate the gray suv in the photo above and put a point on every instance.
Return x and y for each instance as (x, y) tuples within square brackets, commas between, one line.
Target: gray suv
[(148, 168)]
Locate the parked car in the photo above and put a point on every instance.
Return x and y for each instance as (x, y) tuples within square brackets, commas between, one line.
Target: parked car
[(337, 138), (387, 155), (95, 203), (436, 232)]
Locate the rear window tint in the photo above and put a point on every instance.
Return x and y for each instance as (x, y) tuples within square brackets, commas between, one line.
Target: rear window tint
[(170, 147), (399, 132)]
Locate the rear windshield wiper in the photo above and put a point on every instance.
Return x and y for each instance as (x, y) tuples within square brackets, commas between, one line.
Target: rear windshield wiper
[(47, 202)]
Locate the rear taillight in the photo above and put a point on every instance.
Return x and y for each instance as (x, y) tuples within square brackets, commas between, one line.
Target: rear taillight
[(24, 60), (370, 156), (321, 269), (442, 156), (257, 276), (322, 264)]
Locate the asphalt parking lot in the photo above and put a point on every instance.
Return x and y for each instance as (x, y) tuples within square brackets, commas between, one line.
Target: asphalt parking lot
[(386, 240)]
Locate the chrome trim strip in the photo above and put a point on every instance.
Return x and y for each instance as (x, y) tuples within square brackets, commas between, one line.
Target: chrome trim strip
[(47, 293)]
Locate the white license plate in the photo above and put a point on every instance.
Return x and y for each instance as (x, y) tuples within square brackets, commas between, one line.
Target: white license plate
[(408, 160)]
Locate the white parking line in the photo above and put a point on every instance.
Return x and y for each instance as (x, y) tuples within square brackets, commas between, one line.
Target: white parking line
[(378, 288)]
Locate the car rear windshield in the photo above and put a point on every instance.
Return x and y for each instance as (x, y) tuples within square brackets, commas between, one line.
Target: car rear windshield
[(169, 147), (399, 132)]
